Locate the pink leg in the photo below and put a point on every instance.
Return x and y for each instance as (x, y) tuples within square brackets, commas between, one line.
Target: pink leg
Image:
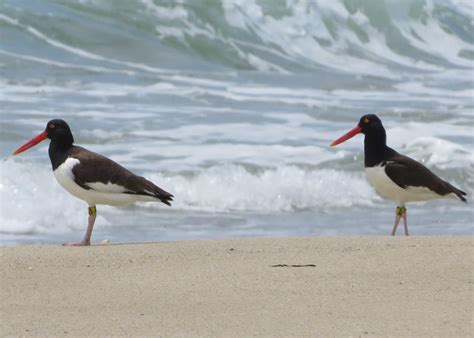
[(90, 226), (398, 215), (397, 220), (405, 223)]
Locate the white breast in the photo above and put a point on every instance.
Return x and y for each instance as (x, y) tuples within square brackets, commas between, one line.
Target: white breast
[(65, 178)]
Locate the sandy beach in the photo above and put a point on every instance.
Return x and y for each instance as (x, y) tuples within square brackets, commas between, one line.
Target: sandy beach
[(357, 286)]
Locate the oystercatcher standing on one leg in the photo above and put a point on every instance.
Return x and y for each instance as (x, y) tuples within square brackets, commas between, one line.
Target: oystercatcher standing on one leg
[(396, 176), (93, 177)]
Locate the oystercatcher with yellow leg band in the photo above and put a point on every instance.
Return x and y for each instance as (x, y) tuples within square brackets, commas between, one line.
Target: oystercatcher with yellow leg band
[(395, 176), (91, 177)]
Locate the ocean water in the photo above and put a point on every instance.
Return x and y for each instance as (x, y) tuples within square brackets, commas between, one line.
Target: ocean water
[(231, 106)]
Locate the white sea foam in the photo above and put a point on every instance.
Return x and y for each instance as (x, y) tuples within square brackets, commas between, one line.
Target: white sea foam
[(300, 31), (166, 13), (464, 6), (286, 188), (440, 153), (32, 202)]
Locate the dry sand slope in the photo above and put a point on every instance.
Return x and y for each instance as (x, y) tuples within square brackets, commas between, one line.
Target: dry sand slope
[(245, 287)]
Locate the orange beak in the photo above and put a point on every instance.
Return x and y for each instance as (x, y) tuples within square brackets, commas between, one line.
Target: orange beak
[(351, 133), (34, 141)]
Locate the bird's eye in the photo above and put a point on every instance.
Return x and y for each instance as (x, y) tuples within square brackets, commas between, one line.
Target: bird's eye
[(366, 120), (51, 126)]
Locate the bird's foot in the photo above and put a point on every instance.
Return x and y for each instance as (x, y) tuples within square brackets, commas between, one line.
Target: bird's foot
[(81, 243)]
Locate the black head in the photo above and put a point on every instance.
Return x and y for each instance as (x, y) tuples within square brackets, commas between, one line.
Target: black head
[(369, 124), (59, 131)]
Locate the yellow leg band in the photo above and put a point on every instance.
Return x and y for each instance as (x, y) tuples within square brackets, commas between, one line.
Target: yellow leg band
[(92, 211), (401, 211)]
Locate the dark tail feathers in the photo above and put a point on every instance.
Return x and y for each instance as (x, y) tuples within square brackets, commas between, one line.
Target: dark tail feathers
[(163, 196), (459, 193), (153, 190)]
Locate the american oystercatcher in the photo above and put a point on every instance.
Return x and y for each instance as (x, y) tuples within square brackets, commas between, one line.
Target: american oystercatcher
[(91, 177), (396, 176)]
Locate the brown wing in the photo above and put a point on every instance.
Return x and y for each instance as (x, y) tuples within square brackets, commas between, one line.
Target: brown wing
[(405, 172), (97, 168)]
